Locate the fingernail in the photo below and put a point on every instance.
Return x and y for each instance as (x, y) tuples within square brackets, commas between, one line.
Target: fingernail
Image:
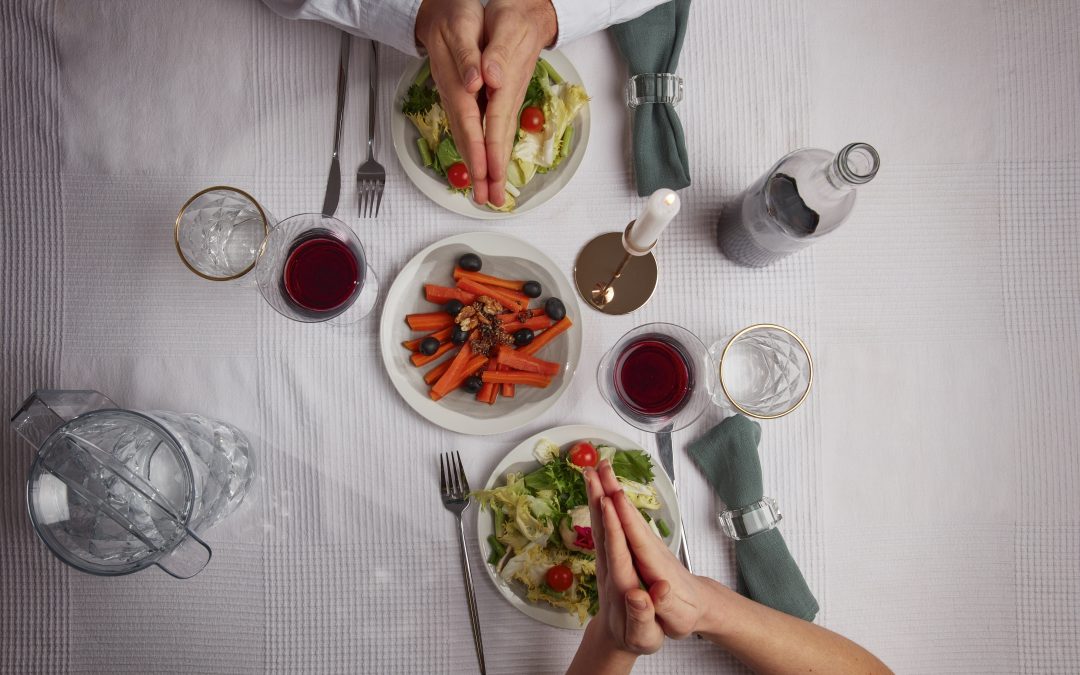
[(636, 603), (495, 72), (470, 75)]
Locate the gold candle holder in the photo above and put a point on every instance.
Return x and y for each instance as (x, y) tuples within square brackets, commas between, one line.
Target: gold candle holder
[(611, 277)]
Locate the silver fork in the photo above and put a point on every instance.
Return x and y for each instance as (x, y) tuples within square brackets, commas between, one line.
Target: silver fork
[(455, 497), (371, 176)]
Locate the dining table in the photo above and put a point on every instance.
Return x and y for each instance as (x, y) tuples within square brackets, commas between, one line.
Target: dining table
[(930, 484)]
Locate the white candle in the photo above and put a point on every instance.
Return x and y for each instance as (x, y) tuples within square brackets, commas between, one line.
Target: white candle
[(661, 208)]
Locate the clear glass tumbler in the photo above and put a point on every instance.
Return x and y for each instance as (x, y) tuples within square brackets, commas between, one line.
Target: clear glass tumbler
[(765, 371), (313, 268), (219, 231)]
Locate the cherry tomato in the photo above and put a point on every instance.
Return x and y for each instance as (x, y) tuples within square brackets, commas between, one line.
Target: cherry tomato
[(532, 119), (458, 175), (583, 454), (560, 578)]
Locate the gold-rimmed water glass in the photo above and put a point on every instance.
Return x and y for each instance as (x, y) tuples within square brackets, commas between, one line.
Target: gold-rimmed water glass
[(219, 231)]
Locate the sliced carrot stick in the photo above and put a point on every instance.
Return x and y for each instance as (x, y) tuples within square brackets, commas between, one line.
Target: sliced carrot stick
[(535, 323), (515, 377), (419, 359), (474, 364), (446, 384), (489, 280), (442, 336), (530, 364), (500, 295), (432, 376), (508, 389), (429, 321), (511, 317), (443, 294), (547, 336), (489, 392)]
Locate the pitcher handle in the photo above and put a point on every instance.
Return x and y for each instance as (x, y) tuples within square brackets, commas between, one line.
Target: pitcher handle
[(187, 559), (46, 409)]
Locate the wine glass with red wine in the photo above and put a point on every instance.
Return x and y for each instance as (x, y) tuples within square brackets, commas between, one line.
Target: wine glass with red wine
[(313, 268), (657, 377)]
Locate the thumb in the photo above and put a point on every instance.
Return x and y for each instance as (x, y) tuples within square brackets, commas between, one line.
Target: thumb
[(642, 634), (497, 55), (466, 55), (672, 612)]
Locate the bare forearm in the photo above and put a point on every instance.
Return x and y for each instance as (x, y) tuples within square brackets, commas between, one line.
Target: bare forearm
[(599, 656), (773, 642)]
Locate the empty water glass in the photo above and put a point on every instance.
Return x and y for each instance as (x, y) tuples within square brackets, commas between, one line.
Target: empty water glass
[(219, 231), (765, 371)]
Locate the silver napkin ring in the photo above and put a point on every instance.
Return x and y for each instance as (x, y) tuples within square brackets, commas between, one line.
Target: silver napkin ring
[(750, 520), (653, 88)]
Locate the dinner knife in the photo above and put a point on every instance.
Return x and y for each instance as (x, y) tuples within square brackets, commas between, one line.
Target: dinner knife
[(333, 182), (663, 445)]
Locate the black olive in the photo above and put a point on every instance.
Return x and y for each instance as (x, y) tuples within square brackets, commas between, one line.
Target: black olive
[(459, 336), (555, 309), (454, 306), (429, 346), (470, 262), (532, 289), (472, 384), (523, 337)]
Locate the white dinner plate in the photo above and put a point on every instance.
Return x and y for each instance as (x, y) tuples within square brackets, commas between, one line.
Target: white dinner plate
[(521, 460), (504, 256), (537, 191)]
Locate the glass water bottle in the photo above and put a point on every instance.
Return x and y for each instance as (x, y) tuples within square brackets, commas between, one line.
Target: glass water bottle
[(806, 195)]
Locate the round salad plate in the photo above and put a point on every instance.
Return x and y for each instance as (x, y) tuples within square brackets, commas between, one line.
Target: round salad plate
[(459, 411), (521, 460), (537, 191)]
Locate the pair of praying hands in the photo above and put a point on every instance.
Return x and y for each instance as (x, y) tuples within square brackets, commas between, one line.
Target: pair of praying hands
[(646, 595), (633, 620), (493, 49)]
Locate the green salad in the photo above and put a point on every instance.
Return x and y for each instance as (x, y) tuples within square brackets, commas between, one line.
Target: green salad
[(543, 531), (545, 133)]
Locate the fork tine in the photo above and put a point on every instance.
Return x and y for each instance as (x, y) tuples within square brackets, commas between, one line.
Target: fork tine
[(455, 474), (461, 472), (370, 199), (378, 203), (367, 214), (442, 474)]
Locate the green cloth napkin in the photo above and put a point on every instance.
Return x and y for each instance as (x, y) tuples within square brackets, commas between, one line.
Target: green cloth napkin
[(728, 457), (651, 44)]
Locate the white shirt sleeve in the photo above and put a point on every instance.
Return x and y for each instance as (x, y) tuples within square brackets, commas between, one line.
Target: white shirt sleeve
[(392, 22), (578, 18)]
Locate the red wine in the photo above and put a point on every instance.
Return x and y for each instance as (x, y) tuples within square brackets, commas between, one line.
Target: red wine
[(321, 273), (652, 376)]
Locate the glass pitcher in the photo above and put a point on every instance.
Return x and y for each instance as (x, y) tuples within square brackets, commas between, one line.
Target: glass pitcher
[(114, 491)]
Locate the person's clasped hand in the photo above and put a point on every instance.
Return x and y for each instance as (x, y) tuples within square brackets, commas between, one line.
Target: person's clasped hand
[(472, 47), (675, 598)]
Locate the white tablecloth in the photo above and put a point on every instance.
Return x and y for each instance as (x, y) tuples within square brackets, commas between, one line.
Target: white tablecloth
[(931, 485)]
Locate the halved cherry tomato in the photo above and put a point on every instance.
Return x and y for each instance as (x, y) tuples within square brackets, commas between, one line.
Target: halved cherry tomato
[(532, 119), (583, 454), (458, 176), (560, 578)]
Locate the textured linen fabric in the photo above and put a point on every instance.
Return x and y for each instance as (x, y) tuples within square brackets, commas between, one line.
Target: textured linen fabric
[(728, 456), (393, 21), (930, 482), (652, 43)]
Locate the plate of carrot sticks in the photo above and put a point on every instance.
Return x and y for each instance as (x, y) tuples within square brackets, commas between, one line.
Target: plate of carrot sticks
[(480, 333)]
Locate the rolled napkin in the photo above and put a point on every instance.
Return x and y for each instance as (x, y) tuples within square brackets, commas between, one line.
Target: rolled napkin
[(728, 457), (651, 44)]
